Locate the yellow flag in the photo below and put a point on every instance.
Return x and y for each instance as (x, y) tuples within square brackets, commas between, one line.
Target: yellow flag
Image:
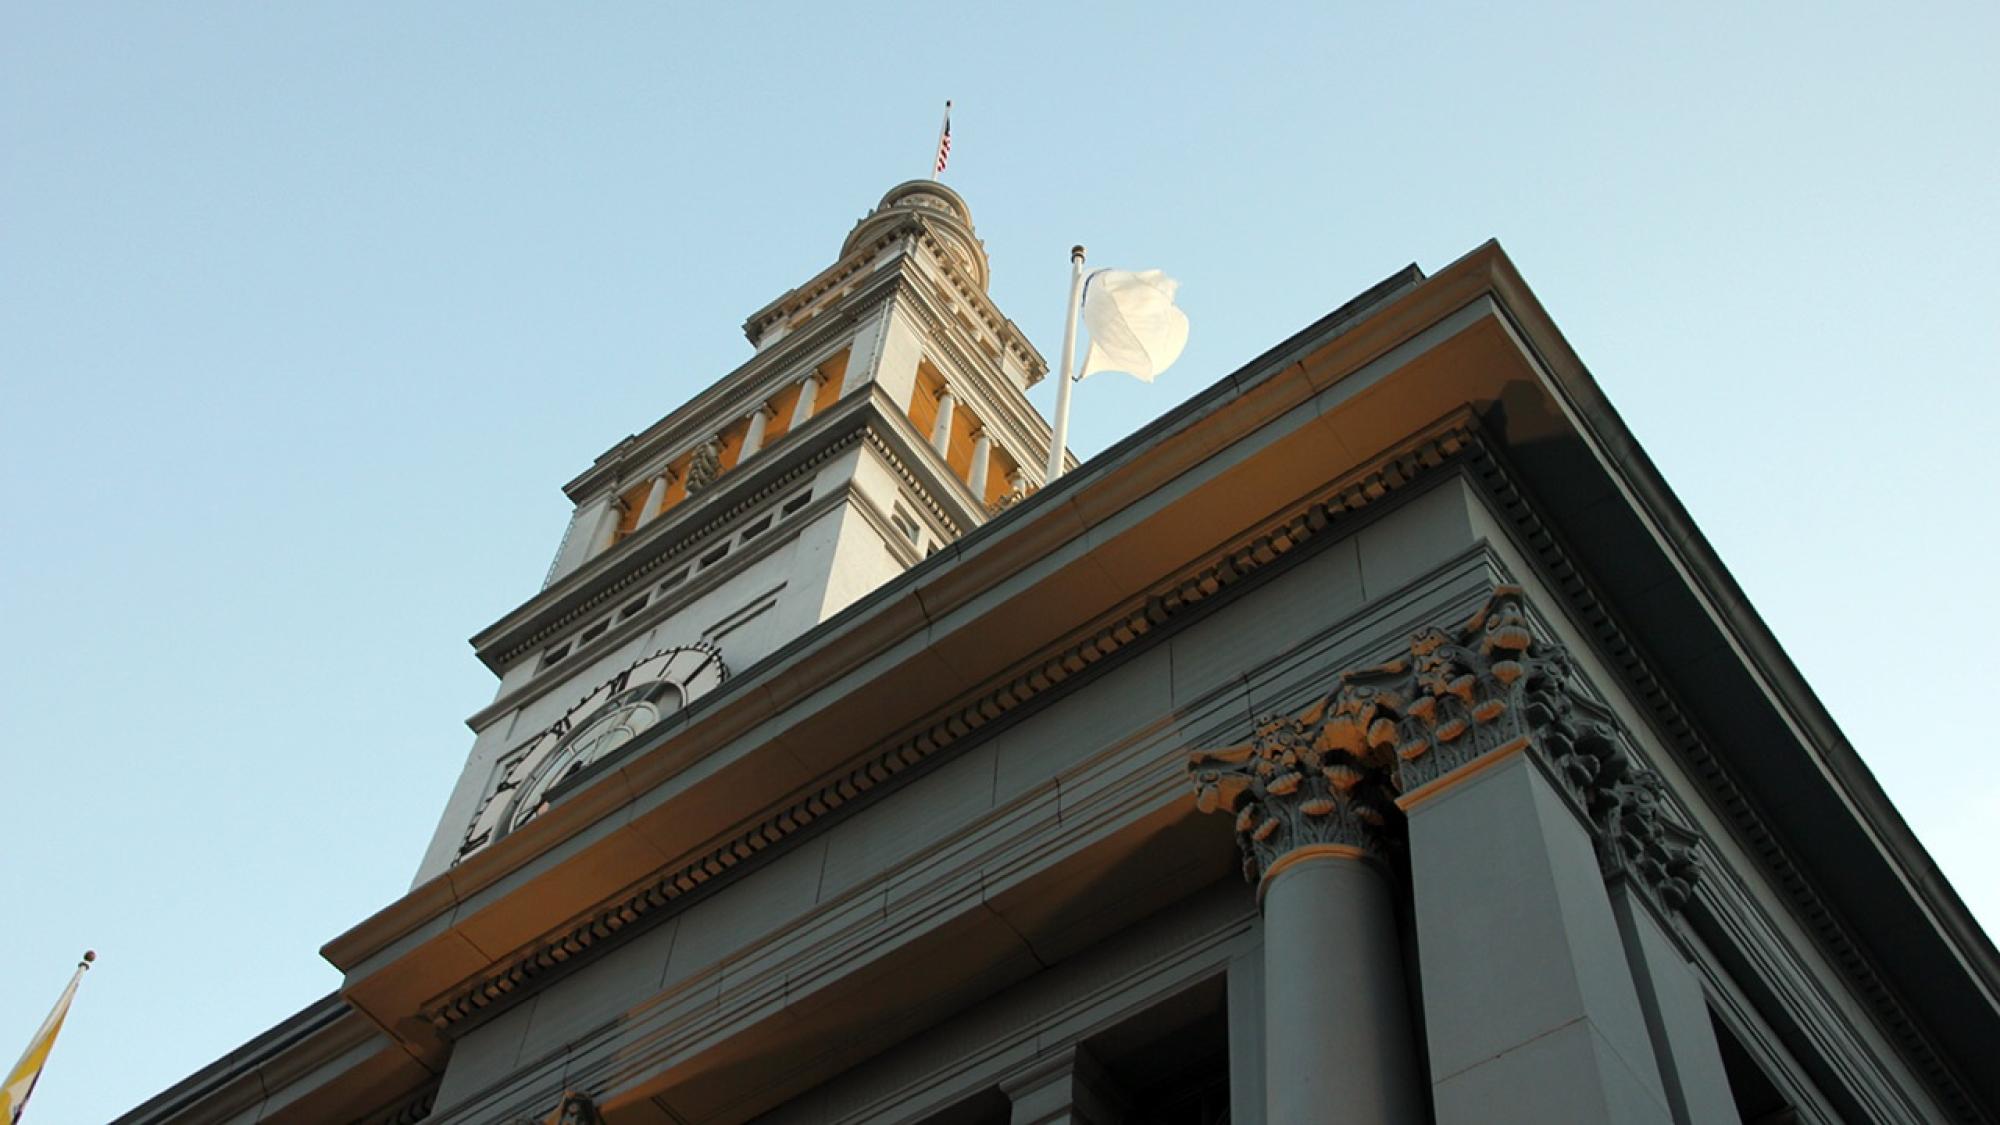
[(21, 1079)]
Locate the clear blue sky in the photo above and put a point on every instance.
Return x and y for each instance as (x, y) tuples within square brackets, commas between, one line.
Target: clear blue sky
[(306, 311)]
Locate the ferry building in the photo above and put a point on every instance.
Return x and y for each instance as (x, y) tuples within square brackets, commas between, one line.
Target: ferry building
[(1371, 739)]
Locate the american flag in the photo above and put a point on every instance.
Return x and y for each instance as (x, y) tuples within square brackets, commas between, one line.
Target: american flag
[(944, 144)]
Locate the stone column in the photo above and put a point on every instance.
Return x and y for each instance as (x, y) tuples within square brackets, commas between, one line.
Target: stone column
[(1517, 798), (1671, 997), (1246, 1038), (1337, 1040), (941, 429), (655, 496), (753, 438), (607, 526), (802, 410), (982, 457), (581, 541), (1065, 1087), (1508, 775)]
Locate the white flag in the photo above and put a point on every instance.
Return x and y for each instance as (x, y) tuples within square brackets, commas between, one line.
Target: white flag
[(1134, 326)]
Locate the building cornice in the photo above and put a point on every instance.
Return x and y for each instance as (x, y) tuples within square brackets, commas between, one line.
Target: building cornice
[(917, 224), (675, 535), (884, 671)]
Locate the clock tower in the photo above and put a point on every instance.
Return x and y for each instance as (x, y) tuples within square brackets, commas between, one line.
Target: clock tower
[(882, 415)]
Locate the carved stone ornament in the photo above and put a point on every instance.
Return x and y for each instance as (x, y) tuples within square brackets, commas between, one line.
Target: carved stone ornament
[(703, 467), (575, 1109), (1008, 499), (1291, 786), (1487, 686)]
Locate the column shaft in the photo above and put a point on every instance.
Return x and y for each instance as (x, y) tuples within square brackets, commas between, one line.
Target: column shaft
[(941, 429), (982, 456), (655, 496), (1246, 1038), (1676, 1015), (1337, 1039), (1530, 1008), (802, 410), (607, 526), (753, 438)]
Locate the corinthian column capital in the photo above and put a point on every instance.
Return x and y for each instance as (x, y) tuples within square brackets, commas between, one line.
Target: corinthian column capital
[(1293, 794), (1459, 700)]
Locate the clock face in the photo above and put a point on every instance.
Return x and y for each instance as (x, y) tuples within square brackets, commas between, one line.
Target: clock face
[(607, 717)]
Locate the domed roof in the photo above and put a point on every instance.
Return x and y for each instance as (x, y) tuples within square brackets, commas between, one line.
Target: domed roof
[(948, 216)]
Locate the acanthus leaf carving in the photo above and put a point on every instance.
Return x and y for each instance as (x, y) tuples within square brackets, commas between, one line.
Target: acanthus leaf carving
[(1290, 787), (1332, 772)]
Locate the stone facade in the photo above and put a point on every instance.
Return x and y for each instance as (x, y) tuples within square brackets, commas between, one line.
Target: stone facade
[(1369, 740)]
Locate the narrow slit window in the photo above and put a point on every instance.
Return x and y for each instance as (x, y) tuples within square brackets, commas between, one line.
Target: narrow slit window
[(635, 605), (594, 632), (715, 556), (797, 502), (756, 529), (674, 579)]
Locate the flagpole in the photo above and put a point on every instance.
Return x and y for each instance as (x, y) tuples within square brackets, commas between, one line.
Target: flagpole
[(937, 173), (19, 1084), (1060, 437)]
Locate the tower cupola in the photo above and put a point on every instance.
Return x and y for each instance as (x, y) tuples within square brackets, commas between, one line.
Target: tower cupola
[(929, 208)]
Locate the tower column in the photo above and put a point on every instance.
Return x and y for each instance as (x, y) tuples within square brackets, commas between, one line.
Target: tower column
[(753, 438), (982, 456), (941, 429), (655, 496), (802, 411), (607, 525), (1338, 1046)]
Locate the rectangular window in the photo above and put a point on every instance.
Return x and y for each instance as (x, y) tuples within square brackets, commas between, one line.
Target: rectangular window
[(797, 502), (906, 525), (674, 579), (715, 556), (756, 529), (555, 655), (594, 632), (634, 606)]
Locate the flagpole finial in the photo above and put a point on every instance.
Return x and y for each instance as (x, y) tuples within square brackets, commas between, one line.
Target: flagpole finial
[(89, 956), (1076, 253)]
